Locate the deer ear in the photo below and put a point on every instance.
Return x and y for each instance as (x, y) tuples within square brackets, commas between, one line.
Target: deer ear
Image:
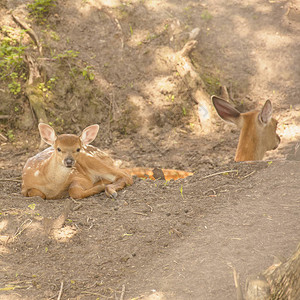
[(226, 111), (47, 133), (265, 114), (89, 134)]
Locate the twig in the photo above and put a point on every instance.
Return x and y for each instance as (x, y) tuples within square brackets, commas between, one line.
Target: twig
[(178, 233), (237, 284), (10, 179), (151, 208), (206, 192), (249, 174), (4, 138), (22, 227), (90, 293), (30, 32), (61, 290), (139, 213), (123, 292), (219, 173), (78, 206)]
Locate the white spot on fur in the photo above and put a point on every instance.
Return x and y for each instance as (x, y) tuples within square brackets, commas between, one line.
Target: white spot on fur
[(36, 173), (90, 154), (109, 177)]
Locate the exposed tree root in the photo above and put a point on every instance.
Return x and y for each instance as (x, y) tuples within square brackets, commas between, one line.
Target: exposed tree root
[(32, 90), (281, 281), (195, 84)]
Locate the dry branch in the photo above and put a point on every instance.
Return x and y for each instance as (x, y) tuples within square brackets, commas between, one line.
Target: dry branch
[(219, 173), (4, 138), (30, 32), (185, 67), (60, 291), (193, 81), (10, 179), (123, 292)]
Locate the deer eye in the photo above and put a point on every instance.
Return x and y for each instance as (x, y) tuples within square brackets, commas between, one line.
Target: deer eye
[(58, 149), (78, 149)]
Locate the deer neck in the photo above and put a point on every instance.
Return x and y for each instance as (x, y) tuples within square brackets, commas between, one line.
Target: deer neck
[(250, 146), (55, 171)]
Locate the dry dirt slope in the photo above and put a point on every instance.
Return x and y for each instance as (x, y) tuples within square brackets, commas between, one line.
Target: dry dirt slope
[(180, 239), (253, 219), (155, 237)]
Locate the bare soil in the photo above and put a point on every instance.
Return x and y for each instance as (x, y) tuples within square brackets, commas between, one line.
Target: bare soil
[(165, 240)]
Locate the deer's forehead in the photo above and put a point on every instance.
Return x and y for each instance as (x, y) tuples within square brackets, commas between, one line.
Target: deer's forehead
[(250, 117), (250, 114), (68, 141)]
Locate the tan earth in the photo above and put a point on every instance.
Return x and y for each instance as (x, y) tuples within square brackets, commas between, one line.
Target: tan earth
[(162, 240)]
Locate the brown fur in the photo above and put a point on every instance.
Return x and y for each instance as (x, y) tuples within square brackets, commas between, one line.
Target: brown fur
[(258, 129), (73, 167)]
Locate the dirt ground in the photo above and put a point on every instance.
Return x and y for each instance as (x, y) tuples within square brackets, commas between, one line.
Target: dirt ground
[(164, 240)]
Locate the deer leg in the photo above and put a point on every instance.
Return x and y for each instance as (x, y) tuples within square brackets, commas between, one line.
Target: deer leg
[(120, 183), (35, 192), (84, 188)]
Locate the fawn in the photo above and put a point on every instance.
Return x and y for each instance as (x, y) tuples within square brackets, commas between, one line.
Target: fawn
[(73, 167), (258, 129)]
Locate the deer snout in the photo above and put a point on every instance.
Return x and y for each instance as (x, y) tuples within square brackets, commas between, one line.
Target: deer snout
[(69, 162)]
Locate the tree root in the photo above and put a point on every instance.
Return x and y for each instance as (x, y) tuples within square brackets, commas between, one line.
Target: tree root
[(30, 32), (193, 81), (32, 91), (280, 281)]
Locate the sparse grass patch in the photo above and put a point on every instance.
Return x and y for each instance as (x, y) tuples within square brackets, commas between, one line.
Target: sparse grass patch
[(206, 15), (40, 9), (211, 82), (12, 66)]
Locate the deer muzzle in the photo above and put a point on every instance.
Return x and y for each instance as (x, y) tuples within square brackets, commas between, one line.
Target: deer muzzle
[(69, 162)]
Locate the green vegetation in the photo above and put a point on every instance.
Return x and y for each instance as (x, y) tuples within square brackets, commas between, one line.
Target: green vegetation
[(206, 16), (181, 192), (212, 83), (88, 74), (67, 54), (12, 65), (40, 9), (48, 86), (10, 135)]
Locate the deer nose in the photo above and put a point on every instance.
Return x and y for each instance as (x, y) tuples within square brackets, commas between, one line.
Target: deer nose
[(69, 162)]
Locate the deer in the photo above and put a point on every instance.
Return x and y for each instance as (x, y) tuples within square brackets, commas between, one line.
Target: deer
[(257, 129), (72, 167)]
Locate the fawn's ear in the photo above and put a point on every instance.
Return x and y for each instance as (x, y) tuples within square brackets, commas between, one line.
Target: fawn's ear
[(226, 111), (89, 134), (265, 114), (47, 133)]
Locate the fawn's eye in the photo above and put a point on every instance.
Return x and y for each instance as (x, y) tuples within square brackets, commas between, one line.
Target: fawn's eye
[(78, 149), (58, 149)]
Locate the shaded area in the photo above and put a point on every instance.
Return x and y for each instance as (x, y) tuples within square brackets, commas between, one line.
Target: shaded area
[(181, 238), (159, 235)]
